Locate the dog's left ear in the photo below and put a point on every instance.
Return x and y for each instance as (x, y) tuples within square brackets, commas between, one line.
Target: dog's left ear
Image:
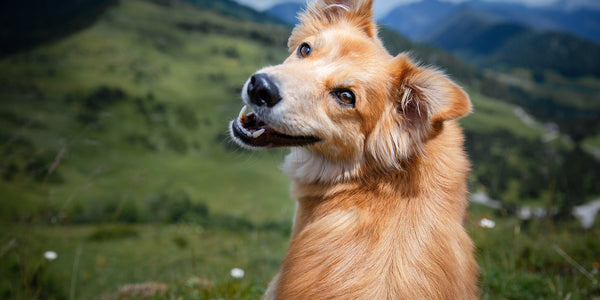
[(422, 100), (426, 98)]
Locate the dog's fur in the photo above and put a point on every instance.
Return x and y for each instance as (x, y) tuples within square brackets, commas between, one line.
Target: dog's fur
[(382, 193)]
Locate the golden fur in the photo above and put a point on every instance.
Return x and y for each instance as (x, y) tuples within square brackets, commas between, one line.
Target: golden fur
[(382, 195)]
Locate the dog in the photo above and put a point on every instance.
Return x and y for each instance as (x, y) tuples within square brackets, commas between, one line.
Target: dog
[(377, 163)]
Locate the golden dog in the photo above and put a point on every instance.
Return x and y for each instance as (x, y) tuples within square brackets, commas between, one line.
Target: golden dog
[(377, 164)]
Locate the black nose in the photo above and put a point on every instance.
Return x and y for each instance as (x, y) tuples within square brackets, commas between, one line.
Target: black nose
[(263, 91)]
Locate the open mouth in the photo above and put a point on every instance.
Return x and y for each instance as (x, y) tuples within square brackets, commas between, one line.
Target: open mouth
[(250, 130)]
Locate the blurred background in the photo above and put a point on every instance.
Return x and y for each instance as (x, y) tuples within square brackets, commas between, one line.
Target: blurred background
[(118, 179)]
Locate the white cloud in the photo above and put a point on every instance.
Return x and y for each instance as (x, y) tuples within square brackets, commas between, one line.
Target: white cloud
[(265, 4), (528, 2)]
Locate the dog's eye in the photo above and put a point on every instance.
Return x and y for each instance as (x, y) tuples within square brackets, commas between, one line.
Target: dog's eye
[(304, 50), (345, 96)]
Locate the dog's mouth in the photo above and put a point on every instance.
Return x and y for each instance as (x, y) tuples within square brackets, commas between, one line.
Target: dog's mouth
[(249, 130)]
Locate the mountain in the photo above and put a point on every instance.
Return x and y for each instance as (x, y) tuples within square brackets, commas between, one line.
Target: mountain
[(470, 33), (418, 18), (26, 24), (561, 52), (583, 22), (287, 12), (415, 19), (489, 43)]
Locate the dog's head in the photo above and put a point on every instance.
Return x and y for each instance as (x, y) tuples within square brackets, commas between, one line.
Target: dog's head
[(342, 101)]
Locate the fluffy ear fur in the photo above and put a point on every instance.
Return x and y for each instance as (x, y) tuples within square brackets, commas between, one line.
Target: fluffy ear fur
[(423, 99), (323, 13), (427, 97)]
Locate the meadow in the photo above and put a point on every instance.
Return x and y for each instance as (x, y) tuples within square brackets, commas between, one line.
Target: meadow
[(115, 156)]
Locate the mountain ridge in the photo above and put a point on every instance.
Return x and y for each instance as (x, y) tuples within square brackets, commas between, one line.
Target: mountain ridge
[(489, 43), (584, 23)]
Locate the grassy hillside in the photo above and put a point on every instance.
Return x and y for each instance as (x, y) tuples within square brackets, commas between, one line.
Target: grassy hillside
[(132, 104), (115, 155), (125, 122)]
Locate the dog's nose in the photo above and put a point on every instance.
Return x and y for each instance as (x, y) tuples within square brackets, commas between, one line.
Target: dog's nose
[(263, 91)]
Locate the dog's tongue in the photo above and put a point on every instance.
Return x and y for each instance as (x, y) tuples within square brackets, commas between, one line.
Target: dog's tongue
[(249, 130)]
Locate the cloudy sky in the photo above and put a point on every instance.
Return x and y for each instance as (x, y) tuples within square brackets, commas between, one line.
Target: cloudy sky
[(383, 6)]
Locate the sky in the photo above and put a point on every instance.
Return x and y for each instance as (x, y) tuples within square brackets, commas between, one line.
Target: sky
[(380, 6), (383, 6)]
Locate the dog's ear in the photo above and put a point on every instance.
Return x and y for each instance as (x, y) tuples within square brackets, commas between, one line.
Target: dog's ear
[(422, 99), (327, 12), (425, 97)]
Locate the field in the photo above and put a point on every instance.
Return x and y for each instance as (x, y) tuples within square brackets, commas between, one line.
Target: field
[(518, 261), (115, 155)]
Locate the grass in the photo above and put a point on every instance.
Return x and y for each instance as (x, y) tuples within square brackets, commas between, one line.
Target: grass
[(115, 155), (489, 116), (519, 260), (88, 265)]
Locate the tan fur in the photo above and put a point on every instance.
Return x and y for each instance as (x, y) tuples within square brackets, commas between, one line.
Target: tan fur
[(382, 196)]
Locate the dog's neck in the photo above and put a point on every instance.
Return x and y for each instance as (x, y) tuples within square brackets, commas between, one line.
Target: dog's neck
[(315, 177), (305, 167)]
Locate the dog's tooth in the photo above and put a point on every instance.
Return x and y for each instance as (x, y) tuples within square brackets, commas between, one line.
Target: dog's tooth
[(245, 131), (242, 114), (239, 122), (258, 133)]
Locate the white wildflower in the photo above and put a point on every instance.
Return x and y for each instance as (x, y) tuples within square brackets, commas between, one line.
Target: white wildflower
[(487, 223), (50, 255), (237, 273)]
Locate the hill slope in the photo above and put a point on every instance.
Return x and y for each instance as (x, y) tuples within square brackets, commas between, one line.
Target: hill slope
[(131, 98)]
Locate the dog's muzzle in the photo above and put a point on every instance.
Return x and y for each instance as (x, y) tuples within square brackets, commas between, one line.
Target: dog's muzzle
[(250, 131)]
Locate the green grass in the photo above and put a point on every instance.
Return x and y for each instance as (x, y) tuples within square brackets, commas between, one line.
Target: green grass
[(593, 141), (490, 115), (519, 260), (522, 260), (87, 265)]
